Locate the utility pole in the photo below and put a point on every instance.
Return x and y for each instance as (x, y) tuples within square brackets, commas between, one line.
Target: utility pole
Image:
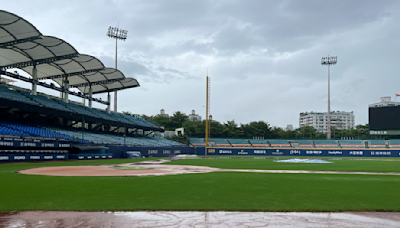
[(117, 34), (329, 61)]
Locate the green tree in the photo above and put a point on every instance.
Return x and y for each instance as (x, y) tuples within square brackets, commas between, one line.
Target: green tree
[(177, 119), (163, 121), (184, 139), (232, 130), (194, 128), (307, 132), (148, 118)]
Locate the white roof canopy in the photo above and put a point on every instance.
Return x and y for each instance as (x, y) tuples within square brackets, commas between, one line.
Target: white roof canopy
[(67, 67), (107, 75), (15, 29), (23, 46), (36, 52), (125, 83)]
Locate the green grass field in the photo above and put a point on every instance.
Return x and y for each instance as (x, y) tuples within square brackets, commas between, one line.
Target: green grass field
[(337, 165), (210, 191)]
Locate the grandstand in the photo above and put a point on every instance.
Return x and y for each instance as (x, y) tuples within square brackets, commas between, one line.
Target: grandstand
[(219, 142), (352, 143), (239, 142), (377, 143), (279, 142), (37, 120), (326, 143), (197, 142), (394, 143), (258, 142), (295, 143), (302, 143)]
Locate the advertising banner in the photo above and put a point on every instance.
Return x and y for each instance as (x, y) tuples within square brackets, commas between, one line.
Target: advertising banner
[(32, 157), (339, 152), (90, 156), (17, 142)]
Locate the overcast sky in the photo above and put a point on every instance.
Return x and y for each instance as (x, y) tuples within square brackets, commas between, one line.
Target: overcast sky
[(263, 57)]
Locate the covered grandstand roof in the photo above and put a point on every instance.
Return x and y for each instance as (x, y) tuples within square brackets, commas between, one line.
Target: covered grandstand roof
[(114, 86), (39, 51), (23, 46), (67, 67), (83, 81), (15, 29)]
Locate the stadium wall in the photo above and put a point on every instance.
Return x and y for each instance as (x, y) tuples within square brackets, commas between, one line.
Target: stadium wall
[(340, 152), (14, 157), (26, 143), (120, 151)]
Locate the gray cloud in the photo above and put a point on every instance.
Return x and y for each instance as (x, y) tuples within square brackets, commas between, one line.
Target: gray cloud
[(263, 56)]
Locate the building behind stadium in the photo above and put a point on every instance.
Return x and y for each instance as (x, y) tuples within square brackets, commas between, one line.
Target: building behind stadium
[(339, 120)]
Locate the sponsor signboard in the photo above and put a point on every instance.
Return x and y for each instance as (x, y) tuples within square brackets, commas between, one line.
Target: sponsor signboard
[(32, 157), (16, 142), (149, 152), (301, 152)]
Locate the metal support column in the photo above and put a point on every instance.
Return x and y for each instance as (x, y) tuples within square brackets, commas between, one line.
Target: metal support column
[(83, 127), (125, 134), (109, 102), (34, 77), (66, 85), (90, 95)]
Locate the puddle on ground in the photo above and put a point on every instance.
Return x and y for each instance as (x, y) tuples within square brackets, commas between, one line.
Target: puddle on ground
[(43, 219)]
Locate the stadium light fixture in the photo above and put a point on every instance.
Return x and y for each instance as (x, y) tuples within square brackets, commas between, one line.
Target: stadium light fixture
[(117, 34), (330, 60)]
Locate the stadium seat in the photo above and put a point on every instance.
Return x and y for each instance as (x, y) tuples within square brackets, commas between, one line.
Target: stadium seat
[(352, 143), (220, 142), (259, 143), (198, 142), (393, 143), (326, 143), (302, 143), (377, 143), (239, 142), (279, 142)]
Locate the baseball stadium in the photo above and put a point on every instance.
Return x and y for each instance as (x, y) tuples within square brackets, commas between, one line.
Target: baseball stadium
[(62, 155)]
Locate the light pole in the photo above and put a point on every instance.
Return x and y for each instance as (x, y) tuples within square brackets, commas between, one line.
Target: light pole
[(117, 34), (329, 61)]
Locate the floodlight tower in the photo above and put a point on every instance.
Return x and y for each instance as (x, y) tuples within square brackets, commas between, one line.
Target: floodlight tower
[(117, 34), (329, 61)]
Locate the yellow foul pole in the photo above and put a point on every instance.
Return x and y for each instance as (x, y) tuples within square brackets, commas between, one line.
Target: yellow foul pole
[(207, 136)]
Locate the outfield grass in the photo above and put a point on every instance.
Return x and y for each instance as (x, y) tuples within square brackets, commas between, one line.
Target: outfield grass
[(210, 191), (337, 165)]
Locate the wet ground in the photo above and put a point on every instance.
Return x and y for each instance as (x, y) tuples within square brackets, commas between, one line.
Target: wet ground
[(60, 219), (156, 168)]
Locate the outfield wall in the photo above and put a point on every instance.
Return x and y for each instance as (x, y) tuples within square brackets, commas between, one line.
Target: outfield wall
[(35, 154), (15, 157), (120, 151), (339, 152)]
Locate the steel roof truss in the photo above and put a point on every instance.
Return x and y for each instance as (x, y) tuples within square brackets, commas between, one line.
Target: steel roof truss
[(14, 42), (39, 61), (96, 83), (72, 74)]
